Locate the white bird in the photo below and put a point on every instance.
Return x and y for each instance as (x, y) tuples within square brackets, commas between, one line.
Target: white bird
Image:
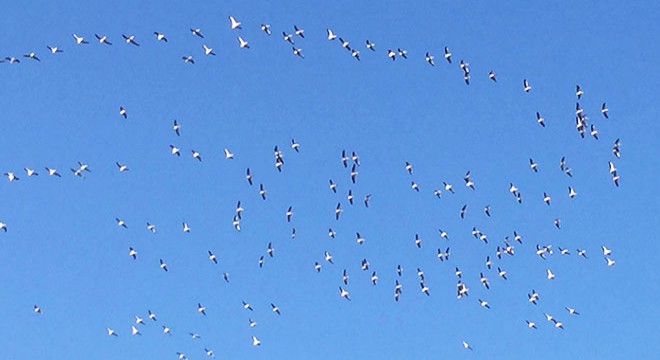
[(533, 165), (549, 274), (299, 31), (208, 352), (11, 177), (207, 50), (130, 39), (616, 148), (235, 24), (79, 39), (255, 341), (345, 44), (484, 303), (578, 91), (103, 39), (37, 309), (248, 176), (571, 192), (236, 222), (163, 265), (287, 37), (371, 46), (121, 223), (121, 167), (402, 53), (32, 56), (526, 86), (197, 32), (242, 43), (531, 324), (188, 59), (185, 227), (54, 49), (343, 293), (196, 155), (391, 54), (423, 288), (228, 154), (546, 198), (123, 112), (251, 322), (132, 253), (160, 36), (266, 28), (247, 306), (175, 150), (201, 309), (139, 320), (328, 257), (111, 332), (571, 311), (539, 119), (447, 55), (466, 345), (491, 75), (429, 59), (152, 316), (610, 261), (330, 34), (604, 110), (151, 227), (213, 257), (275, 309), (134, 330), (167, 330), (262, 191), (606, 251)]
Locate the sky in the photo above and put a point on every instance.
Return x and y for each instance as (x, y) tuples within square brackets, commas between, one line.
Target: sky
[(64, 251)]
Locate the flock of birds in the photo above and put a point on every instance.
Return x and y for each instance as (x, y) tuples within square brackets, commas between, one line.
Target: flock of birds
[(351, 162)]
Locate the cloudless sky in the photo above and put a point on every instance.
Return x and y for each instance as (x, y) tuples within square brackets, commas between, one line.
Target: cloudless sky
[(65, 252)]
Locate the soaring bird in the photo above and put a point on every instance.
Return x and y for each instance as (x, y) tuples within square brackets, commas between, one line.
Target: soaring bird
[(213, 257), (262, 191), (338, 211), (484, 303), (287, 37), (160, 36), (299, 31), (103, 39), (234, 24), (391, 54), (201, 309), (132, 253), (196, 155), (429, 59), (248, 176), (330, 34), (275, 308), (447, 55), (130, 39), (403, 53), (604, 110), (533, 165), (207, 50), (111, 332), (121, 167), (32, 56), (491, 75), (54, 49), (255, 341), (37, 309), (526, 86), (371, 46), (242, 43), (122, 112), (197, 32), (539, 119), (79, 39), (266, 28), (344, 293), (163, 265), (298, 52), (578, 91), (345, 44), (188, 59)]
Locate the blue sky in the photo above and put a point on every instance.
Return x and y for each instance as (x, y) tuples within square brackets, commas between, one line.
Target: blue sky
[(64, 251)]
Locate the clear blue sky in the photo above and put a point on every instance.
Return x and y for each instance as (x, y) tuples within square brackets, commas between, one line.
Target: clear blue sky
[(64, 251)]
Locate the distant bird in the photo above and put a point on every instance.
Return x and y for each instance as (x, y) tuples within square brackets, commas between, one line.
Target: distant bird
[(338, 211), (234, 24), (491, 75), (247, 306), (354, 173), (317, 266), (262, 191), (163, 265), (371, 46), (571, 192), (151, 315), (366, 200), (111, 332), (121, 223), (399, 270), (135, 331), (331, 233), (79, 39), (533, 297), (213, 257), (37, 309), (448, 187), (207, 50), (558, 324), (463, 211), (501, 273), (122, 112), (539, 119), (582, 252), (343, 293), (242, 43), (571, 311), (557, 223), (132, 253), (391, 54), (139, 320), (531, 324), (11, 176), (270, 250), (330, 34), (418, 241), (287, 37), (54, 49), (443, 234), (103, 39), (606, 251), (616, 148), (447, 55), (549, 274), (604, 110), (255, 341), (345, 44), (429, 58), (484, 303), (32, 56), (610, 262), (151, 228), (466, 345), (359, 239), (275, 308), (593, 131), (185, 227), (208, 352), (487, 210), (374, 278), (228, 154), (130, 39), (197, 32), (201, 309), (484, 280), (546, 198), (295, 146), (121, 167), (578, 91), (177, 128), (403, 53), (468, 181), (160, 36), (425, 289), (266, 28), (298, 31), (327, 257), (350, 197), (225, 276), (248, 176), (526, 86), (188, 59), (298, 52), (196, 155), (414, 186), (355, 54), (533, 165)]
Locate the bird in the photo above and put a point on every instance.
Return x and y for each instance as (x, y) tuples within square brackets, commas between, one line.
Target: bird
[(443, 234), (298, 52), (463, 211), (327, 257), (275, 309), (185, 227), (160, 36), (228, 154), (539, 119), (287, 37), (242, 43), (526, 86), (425, 289), (549, 274), (130, 39), (546, 198), (447, 55), (604, 111), (122, 112), (234, 24), (578, 91), (11, 176), (247, 306), (331, 233), (403, 53), (557, 223), (610, 262), (484, 303), (593, 131), (111, 332), (571, 311), (317, 266), (188, 59), (502, 273), (32, 56), (135, 331), (54, 49), (79, 40), (399, 270), (606, 251), (177, 128), (345, 44), (163, 265), (429, 58), (354, 174), (103, 39), (358, 238), (491, 75), (132, 253), (344, 293), (121, 223), (558, 324), (248, 176), (255, 341), (207, 50), (468, 181), (181, 355), (213, 257), (201, 309), (458, 273), (414, 186), (262, 191), (139, 320), (299, 31), (531, 324), (371, 46), (151, 228), (251, 322), (196, 155), (418, 241), (295, 145), (197, 32), (121, 167), (37, 309), (533, 165), (533, 297), (487, 210), (338, 211), (484, 280), (366, 200), (151, 315), (391, 54), (270, 250), (374, 278), (266, 28), (208, 352), (355, 54), (582, 252), (466, 345), (448, 187), (571, 192), (350, 196), (330, 34), (616, 148)]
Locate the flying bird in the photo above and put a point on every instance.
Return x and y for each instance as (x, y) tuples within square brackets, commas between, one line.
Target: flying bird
[(160, 36), (330, 34), (604, 110), (54, 49), (266, 28), (188, 59), (371, 46), (163, 265), (234, 24), (526, 86), (242, 43), (32, 56), (447, 55), (103, 39), (79, 39), (197, 32), (130, 39), (491, 75), (299, 31), (344, 293), (429, 59)]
